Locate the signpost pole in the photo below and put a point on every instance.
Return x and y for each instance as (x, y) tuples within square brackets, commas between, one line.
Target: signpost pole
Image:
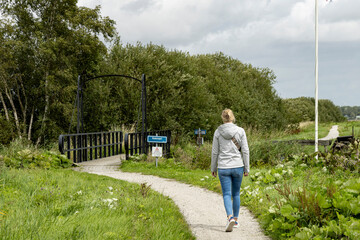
[(156, 163), (199, 137)]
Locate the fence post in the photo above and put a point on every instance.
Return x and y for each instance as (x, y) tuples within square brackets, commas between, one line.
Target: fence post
[(61, 144), (126, 145)]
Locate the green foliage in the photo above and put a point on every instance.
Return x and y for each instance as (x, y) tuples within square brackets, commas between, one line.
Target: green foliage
[(65, 204), (350, 128), (185, 92), (44, 46), (6, 131), (20, 155), (189, 156), (297, 197), (302, 109), (308, 132), (267, 153), (350, 112), (194, 156), (341, 156)]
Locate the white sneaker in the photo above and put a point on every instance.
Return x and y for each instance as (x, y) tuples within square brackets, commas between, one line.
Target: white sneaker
[(236, 225), (230, 224)]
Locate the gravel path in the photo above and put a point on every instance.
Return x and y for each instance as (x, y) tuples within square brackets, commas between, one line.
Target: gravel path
[(203, 210), (333, 133)]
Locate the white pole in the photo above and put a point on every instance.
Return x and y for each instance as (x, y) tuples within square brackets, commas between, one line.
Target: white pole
[(316, 76)]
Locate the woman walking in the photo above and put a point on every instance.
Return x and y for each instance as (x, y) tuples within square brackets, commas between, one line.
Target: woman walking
[(230, 163)]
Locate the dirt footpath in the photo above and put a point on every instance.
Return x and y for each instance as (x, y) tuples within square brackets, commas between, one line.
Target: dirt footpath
[(203, 210), (333, 133)]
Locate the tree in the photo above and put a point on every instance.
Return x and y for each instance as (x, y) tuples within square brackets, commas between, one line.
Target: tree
[(303, 109), (47, 44)]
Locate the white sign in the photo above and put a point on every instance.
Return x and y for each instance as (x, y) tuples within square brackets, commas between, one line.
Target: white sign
[(157, 151)]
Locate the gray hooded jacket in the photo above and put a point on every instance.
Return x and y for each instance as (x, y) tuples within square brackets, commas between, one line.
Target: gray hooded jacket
[(224, 152)]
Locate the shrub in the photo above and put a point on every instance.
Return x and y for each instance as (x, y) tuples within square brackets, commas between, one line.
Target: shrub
[(7, 132), (343, 157), (266, 152), (194, 156), (20, 154)]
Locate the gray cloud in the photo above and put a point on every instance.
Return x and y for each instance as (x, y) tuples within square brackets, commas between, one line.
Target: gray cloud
[(276, 34)]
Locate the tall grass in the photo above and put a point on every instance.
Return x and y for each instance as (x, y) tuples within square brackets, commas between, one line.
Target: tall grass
[(346, 128), (23, 154), (64, 204)]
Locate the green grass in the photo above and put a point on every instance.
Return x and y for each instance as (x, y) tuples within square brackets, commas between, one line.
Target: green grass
[(308, 132), (345, 128), (258, 191), (64, 204)]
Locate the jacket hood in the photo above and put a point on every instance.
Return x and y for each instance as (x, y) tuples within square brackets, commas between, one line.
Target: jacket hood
[(227, 130)]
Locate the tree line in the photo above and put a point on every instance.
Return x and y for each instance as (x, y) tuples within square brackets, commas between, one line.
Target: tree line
[(350, 112), (45, 45), (303, 109)]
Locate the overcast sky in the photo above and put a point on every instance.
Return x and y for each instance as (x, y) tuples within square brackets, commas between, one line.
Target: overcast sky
[(277, 34)]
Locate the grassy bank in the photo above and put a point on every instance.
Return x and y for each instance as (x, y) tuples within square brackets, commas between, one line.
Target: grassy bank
[(64, 204)]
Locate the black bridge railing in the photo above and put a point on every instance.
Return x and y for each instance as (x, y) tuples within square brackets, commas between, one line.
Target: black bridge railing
[(136, 143), (83, 147), (89, 146)]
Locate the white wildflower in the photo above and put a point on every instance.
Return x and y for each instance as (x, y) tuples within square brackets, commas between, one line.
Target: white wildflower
[(206, 176), (272, 209), (261, 200), (276, 175), (79, 192), (110, 188), (202, 179), (303, 165)]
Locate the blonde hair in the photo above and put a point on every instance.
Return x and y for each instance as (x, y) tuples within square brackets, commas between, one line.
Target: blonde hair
[(228, 116)]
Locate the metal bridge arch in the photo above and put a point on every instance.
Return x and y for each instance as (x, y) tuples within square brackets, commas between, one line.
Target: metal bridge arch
[(82, 80), (88, 146)]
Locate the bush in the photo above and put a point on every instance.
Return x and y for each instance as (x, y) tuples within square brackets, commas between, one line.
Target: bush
[(194, 156), (266, 152), (344, 157), (7, 132), (20, 154)]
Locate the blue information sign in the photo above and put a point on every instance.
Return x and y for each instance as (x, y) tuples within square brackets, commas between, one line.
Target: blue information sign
[(156, 139), (202, 131)]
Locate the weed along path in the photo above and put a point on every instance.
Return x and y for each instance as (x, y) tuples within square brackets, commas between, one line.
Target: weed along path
[(202, 209)]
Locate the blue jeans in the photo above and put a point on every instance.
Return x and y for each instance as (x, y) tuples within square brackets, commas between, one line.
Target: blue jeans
[(230, 180)]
